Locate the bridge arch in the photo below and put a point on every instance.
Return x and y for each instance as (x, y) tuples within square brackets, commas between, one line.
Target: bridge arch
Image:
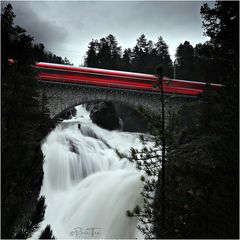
[(62, 98)]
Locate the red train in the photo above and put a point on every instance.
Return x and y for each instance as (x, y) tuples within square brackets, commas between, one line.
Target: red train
[(116, 79)]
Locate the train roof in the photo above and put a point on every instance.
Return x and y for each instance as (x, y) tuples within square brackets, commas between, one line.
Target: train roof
[(94, 70)]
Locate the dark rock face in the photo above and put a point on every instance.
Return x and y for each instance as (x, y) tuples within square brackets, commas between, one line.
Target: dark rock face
[(68, 114), (104, 115), (133, 121), (73, 148)]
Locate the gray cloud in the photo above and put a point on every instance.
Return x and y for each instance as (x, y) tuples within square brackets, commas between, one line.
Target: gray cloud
[(68, 27), (40, 27)]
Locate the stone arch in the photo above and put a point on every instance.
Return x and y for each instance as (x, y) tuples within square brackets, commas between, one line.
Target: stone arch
[(62, 97), (127, 104)]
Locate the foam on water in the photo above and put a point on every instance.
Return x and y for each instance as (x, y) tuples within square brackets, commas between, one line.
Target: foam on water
[(88, 189)]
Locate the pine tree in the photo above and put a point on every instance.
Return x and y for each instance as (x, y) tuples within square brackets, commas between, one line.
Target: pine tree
[(205, 67), (136, 59), (185, 61), (39, 53), (139, 55), (126, 60), (115, 51), (91, 59), (201, 187), (7, 32), (32, 225), (21, 134), (104, 54), (152, 59), (142, 43), (153, 162), (219, 23), (164, 56), (47, 233)]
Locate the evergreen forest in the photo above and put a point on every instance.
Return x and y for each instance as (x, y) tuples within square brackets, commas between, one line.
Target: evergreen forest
[(24, 124)]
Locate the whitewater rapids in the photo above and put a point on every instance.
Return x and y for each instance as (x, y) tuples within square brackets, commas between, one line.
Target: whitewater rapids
[(87, 188)]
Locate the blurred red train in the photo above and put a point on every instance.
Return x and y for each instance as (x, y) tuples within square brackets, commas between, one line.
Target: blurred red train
[(116, 79)]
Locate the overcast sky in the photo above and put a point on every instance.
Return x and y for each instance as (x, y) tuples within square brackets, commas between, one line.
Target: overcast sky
[(66, 27)]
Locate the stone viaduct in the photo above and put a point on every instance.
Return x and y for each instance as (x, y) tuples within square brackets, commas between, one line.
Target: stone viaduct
[(64, 96)]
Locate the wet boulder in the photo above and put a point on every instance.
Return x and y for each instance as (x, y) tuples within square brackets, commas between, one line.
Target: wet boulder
[(68, 114), (105, 116)]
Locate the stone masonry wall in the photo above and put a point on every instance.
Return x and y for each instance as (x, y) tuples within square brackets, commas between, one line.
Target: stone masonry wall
[(62, 97)]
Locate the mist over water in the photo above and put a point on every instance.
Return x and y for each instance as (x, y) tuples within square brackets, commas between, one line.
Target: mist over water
[(88, 189)]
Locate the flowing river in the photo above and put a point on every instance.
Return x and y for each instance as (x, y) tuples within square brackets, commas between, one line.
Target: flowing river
[(87, 187)]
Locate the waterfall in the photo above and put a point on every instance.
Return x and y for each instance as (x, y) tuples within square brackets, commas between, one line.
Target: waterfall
[(88, 189)]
